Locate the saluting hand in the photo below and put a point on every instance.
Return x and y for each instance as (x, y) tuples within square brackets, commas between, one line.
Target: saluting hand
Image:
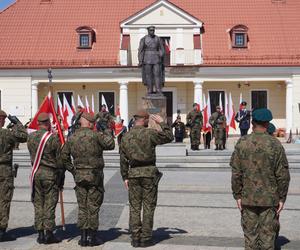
[(157, 118)]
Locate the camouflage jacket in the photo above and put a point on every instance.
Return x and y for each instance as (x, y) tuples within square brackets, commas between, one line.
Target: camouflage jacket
[(217, 120), (51, 153), (194, 118), (137, 150), (260, 172), (8, 138), (86, 148)]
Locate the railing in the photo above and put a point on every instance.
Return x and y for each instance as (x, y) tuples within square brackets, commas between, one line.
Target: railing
[(177, 57)]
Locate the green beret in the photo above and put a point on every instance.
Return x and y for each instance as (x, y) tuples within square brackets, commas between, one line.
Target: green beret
[(43, 117), (271, 128), (88, 117), (262, 115), (2, 114)]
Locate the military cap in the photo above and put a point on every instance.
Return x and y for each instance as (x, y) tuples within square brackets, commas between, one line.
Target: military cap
[(271, 128), (262, 115), (218, 107), (243, 103), (151, 27), (43, 117), (142, 113), (195, 104), (88, 117), (2, 114), (103, 105)]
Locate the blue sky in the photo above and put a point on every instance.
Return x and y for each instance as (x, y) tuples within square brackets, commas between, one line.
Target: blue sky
[(5, 3)]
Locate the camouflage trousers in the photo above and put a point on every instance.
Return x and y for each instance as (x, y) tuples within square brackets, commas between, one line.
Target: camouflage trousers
[(89, 199), (6, 194), (219, 134), (195, 136), (142, 196), (45, 201), (260, 226)]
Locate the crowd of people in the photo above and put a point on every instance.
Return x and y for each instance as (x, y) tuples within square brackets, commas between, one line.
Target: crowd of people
[(260, 172)]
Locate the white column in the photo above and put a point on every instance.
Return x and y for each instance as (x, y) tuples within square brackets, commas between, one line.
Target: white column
[(198, 93), (34, 97), (289, 106), (124, 101)]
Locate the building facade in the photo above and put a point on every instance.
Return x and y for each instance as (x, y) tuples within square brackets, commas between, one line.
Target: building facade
[(249, 49)]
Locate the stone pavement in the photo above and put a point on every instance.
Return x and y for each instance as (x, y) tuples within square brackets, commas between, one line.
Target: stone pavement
[(195, 211)]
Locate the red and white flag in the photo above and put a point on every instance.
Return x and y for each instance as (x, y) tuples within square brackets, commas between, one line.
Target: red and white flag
[(226, 113), (167, 46), (231, 113), (87, 105), (206, 114), (68, 113), (118, 122), (79, 102), (47, 106), (73, 107), (60, 108), (220, 102), (93, 105)]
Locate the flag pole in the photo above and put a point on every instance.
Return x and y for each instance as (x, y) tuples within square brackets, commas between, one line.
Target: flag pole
[(62, 140)]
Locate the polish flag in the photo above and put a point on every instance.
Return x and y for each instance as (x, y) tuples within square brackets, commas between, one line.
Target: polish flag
[(167, 46), (79, 103), (60, 108), (118, 123), (73, 105), (220, 102), (227, 114), (104, 102), (206, 114), (47, 106), (87, 105), (68, 114), (231, 113), (93, 105)]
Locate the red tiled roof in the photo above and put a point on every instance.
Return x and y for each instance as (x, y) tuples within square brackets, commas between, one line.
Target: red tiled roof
[(35, 34)]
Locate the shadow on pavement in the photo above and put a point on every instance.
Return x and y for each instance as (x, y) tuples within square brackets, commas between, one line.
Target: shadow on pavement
[(72, 232), (281, 241), (22, 231), (165, 233)]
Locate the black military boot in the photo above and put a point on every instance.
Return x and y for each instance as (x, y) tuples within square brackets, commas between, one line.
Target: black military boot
[(6, 237), (147, 243), (92, 239), (41, 237), (83, 239), (50, 238), (217, 147), (135, 243)]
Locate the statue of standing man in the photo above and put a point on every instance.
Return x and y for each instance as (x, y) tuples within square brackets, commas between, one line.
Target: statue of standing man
[(151, 58)]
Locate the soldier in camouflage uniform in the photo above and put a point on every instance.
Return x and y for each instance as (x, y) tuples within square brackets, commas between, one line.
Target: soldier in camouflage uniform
[(195, 123), (103, 119), (141, 176), (8, 139), (260, 181), (86, 148), (218, 123), (46, 180)]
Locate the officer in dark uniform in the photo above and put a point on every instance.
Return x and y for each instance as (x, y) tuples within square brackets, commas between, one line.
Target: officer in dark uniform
[(179, 129), (243, 118)]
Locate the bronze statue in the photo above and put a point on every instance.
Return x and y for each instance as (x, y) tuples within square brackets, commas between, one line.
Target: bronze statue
[(151, 58)]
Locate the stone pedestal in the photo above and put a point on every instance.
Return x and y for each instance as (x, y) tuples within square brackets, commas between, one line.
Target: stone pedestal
[(155, 104)]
